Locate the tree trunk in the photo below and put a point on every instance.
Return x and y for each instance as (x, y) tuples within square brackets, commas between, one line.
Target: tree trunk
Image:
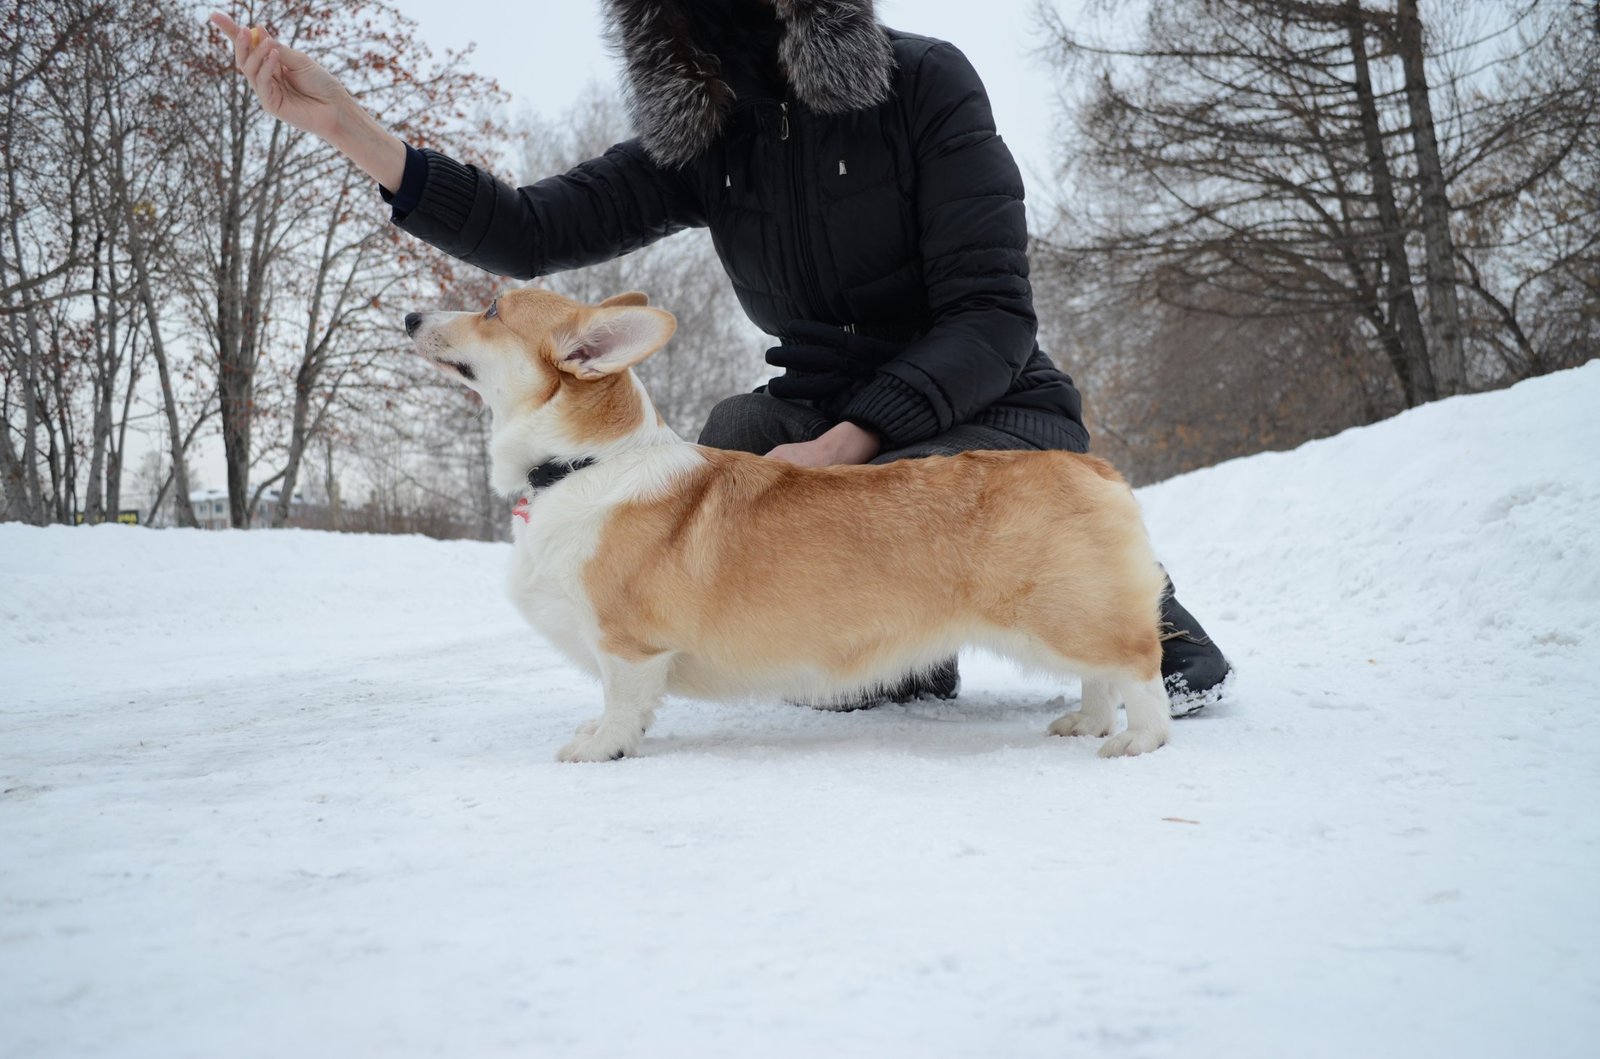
[(23, 500), (1444, 311), (63, 438), (235, 373), (104, 380), (241, 283), (330, 484), (12, 497), (120, 449), (1402, 299), (183, 507), (304, 379)]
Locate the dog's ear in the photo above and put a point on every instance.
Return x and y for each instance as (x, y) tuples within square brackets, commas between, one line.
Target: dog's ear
[(616, 338), (633, 297)]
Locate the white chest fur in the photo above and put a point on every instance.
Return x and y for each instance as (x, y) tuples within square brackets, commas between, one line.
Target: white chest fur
[(562, 532)]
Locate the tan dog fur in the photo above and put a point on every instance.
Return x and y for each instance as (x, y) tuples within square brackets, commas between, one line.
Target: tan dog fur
[(669, 568)]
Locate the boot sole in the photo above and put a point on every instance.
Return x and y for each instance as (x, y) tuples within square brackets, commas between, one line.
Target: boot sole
[(1190, 703)]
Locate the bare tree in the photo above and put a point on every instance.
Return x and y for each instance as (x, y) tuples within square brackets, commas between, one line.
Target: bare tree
[(286, 238), (144, 191), (1343, 170), (44, 247), (1433, 199), (350, 337), (145, 126), (1529, 222)]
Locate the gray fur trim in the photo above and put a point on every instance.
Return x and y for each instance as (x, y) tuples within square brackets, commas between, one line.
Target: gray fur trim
[(673, 93), (833, 53)]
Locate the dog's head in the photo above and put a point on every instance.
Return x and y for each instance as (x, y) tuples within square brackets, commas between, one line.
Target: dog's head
[(554, 372)]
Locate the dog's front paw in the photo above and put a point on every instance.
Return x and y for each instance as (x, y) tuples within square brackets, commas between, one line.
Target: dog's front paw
[(1133, 742), (599, 745), (1079, 723)]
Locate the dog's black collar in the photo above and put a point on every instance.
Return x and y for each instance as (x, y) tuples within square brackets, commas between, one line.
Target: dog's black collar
[(550, 472)]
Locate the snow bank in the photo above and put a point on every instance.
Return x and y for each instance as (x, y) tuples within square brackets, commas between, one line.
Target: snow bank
[(292, 794), (95, 608)]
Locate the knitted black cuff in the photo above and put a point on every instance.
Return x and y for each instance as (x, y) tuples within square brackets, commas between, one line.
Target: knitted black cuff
[(445, 193), (894, 410), (404, 199)]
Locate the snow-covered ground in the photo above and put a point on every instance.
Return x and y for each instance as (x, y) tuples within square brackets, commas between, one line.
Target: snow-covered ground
[(292, 794)]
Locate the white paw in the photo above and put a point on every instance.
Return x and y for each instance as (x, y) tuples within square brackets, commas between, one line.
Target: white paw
[(1132, 742), (591, 727), (598, 746), (1079, 723)]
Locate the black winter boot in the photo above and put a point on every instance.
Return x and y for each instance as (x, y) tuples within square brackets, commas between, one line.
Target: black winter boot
[(1192, 667), (943, 681)]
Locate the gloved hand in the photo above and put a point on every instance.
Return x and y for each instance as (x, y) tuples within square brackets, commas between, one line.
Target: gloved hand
[(821, 361)]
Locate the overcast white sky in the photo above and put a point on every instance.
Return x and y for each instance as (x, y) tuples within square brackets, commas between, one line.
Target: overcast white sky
[(545, 54)]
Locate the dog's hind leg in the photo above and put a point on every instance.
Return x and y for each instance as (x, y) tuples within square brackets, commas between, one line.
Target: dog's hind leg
[(633, 690), (1130, 672), (1098, 715), (1149, 719)]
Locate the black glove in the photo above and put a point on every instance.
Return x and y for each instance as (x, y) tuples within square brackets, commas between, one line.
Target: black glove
[(821, 362)]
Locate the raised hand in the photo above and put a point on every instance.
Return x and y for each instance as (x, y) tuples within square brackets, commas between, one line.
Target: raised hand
[(294, 88), (290, 85)]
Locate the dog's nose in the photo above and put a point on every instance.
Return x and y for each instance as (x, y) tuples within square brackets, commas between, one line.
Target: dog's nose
[(413, 321)]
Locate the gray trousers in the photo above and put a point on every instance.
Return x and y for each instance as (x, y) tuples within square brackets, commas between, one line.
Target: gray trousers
[(759, 423)]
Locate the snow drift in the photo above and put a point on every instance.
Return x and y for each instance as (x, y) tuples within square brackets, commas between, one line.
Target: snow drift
[(292, 793)]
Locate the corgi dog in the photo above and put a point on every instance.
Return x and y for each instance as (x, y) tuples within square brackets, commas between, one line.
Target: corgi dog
[(661, 567)]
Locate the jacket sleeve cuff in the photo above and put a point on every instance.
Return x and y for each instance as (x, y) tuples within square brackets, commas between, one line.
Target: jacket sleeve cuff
[(434, 187), (894, 410), (404, 199)]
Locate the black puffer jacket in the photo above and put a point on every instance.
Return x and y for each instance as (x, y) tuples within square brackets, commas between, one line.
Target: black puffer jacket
[(856, 180)]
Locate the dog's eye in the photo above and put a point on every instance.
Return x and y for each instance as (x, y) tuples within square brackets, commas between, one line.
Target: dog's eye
[(493, 310)]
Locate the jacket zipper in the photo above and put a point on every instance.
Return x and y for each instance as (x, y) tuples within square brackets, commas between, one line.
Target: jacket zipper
[(808, 269)]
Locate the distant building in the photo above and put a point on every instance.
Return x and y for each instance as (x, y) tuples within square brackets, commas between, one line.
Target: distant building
[(211, 510)]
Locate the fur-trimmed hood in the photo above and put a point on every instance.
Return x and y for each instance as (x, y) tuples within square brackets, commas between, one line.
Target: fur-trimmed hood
[(833, 54)]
